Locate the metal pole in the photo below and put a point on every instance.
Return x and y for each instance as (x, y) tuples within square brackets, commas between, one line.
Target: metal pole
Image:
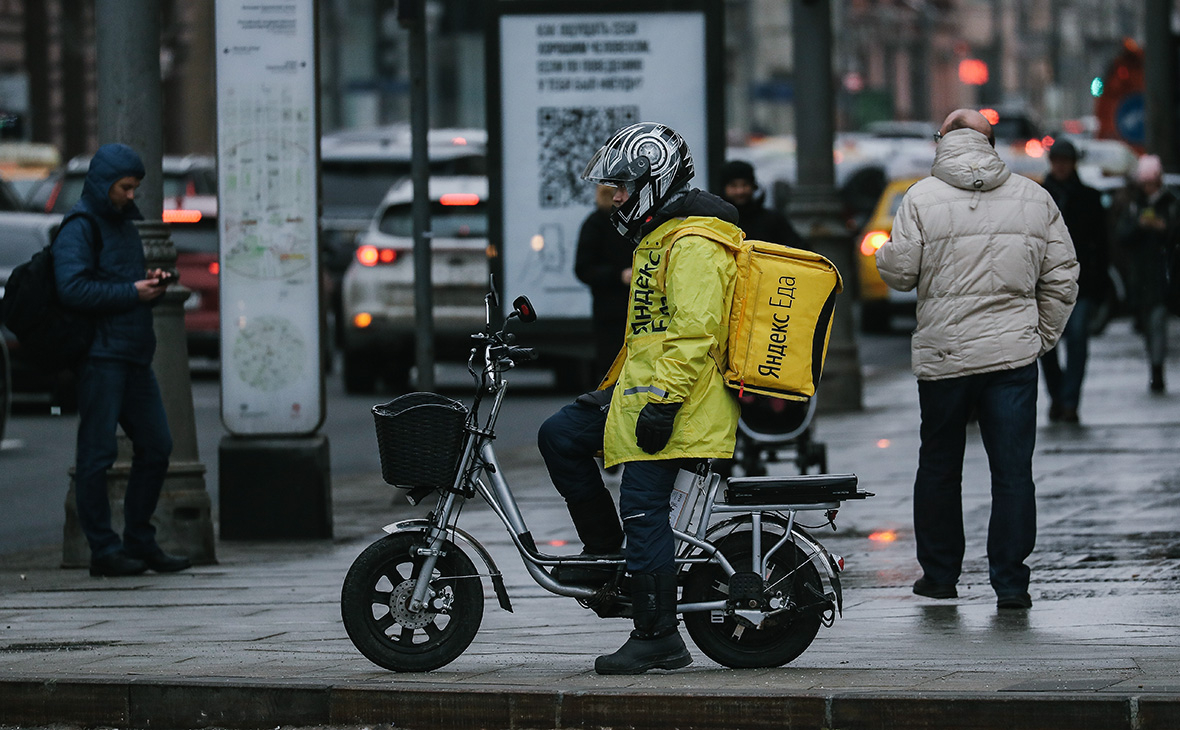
[(815, 208), (127, 41), (922, 61), (1160, 80), (415, 16)]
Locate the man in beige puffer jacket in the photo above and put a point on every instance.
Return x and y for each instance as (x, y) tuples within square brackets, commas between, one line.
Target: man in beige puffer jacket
[(996, 276)]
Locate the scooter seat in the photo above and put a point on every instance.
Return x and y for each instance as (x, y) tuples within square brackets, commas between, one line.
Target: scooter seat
[(786, 490)]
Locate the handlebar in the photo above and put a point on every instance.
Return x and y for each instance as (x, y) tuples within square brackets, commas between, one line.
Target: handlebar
[(500, 352)]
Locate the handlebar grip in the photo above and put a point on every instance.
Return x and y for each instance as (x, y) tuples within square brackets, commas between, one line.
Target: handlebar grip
[(522, 354)]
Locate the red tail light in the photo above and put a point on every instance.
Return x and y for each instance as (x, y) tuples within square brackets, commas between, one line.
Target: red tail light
[(872, 241), (214, 268), (459, 199), (369, 255), (181, 216)]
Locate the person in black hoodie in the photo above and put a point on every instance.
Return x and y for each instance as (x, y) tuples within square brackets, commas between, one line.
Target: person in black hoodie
[(1081, 209), (740, 189), (116, 386)]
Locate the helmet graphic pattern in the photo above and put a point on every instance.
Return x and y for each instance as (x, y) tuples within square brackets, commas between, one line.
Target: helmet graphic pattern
[(650, 160)]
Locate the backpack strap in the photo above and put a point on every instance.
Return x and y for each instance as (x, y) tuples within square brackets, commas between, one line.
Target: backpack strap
[(95, 240), (720, 357)]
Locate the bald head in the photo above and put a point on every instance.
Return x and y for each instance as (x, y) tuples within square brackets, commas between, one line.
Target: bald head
[(969, 119)]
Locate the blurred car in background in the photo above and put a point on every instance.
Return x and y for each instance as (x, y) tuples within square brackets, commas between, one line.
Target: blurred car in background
[(378, 289), (9, 199), (193, 222), (22, 235), (182, 177), (23, 165), (878, 303), (357, 169)]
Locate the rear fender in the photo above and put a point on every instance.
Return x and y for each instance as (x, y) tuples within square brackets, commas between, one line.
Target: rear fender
[(815, 551)]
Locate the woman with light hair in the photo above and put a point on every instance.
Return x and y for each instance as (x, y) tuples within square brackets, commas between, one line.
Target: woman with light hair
[(1149, 232)]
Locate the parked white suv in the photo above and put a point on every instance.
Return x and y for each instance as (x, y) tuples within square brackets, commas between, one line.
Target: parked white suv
[(378, 285)]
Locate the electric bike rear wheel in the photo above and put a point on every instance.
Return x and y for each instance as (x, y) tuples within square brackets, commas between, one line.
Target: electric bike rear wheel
[(374, 604), (790, 575)]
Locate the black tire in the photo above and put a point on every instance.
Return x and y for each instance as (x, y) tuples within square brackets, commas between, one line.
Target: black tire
[(782, 637), (397, 377), (5, 388), (376, 589), (360, 374), (575, 376), (875, 317)]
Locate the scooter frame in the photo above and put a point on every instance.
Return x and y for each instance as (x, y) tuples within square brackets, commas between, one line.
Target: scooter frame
[(693, 547)]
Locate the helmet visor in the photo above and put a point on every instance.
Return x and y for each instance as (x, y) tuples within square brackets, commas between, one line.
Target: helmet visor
[(608, 167)]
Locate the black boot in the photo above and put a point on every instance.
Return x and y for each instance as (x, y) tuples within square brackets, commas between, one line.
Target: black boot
[(655, 643), (597, 523)]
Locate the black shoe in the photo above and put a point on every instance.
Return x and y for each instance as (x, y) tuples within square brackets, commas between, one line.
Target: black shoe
[(1020, 600), (930, 589), (1054, 413), (1157, 379), (162, 562), (1069, 415), (116, 564)]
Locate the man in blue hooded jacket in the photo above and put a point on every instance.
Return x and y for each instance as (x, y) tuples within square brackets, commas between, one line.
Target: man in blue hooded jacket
[(100, 267)]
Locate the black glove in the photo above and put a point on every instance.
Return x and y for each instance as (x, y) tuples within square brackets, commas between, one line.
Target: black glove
[(653, 428)]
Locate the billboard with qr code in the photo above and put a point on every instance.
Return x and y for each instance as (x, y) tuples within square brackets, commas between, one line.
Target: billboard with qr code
[(562, 79)]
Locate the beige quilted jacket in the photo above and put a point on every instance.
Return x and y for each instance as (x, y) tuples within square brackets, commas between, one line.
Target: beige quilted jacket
[(992, 261)]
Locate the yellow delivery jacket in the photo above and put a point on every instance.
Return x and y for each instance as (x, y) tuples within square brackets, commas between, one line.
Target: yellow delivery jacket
[(679, 312)]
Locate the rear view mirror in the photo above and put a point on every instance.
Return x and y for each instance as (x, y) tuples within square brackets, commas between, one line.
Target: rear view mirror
[(523, 309)]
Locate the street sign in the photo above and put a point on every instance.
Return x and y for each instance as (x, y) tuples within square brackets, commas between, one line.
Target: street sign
[(267, 153), (1130, 119)]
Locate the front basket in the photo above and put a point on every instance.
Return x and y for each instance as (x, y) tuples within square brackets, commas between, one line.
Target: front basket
[(420, 439)]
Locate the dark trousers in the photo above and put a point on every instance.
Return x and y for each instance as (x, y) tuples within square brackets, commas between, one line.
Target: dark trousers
[(1006, 403), (568, 441), (114, 393), (1065, 384)]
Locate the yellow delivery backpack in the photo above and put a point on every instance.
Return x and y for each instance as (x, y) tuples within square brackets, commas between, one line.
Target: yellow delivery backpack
[(780, 319)]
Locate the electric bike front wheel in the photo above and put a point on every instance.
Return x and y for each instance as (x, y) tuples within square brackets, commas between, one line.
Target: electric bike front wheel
[(782, 637), (375, 605)]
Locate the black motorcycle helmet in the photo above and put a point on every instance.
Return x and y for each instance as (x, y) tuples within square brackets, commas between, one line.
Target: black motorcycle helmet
[(651, 161)]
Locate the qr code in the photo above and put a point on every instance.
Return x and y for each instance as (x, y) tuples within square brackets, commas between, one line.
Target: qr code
[(567, 138)]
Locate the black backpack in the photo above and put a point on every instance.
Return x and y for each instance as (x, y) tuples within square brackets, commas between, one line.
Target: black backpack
[(52, 336)]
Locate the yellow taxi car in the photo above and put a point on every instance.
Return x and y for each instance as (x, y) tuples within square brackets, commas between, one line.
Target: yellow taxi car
[(879, 303)]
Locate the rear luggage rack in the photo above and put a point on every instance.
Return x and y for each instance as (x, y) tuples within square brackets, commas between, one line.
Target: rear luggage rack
[(801, 489)]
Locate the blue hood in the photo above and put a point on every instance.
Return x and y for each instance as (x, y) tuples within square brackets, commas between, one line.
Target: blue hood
[(111, 163)]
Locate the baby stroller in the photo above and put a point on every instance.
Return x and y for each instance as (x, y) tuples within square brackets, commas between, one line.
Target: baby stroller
[(767, 428)]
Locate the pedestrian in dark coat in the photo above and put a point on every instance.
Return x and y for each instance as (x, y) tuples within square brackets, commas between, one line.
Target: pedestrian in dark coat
[(100, 268), (1148, 229), (603, 262), (1081, 209)]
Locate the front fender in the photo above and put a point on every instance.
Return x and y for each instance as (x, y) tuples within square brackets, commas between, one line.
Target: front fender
[(424, 526)]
